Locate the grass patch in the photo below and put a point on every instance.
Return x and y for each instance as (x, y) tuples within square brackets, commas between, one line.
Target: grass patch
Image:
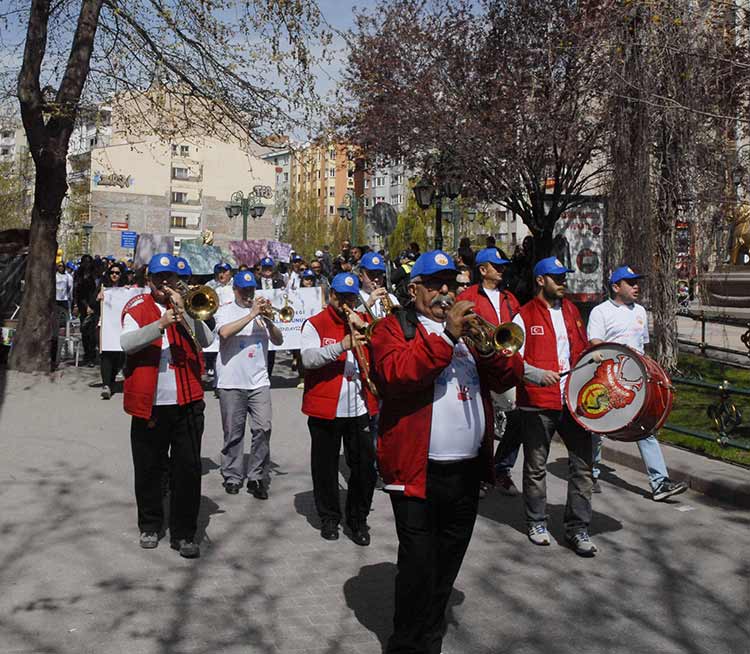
[(691, 404)]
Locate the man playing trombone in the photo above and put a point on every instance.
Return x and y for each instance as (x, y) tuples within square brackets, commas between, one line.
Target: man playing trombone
[(435, 441), (338, 402), (244, 328)]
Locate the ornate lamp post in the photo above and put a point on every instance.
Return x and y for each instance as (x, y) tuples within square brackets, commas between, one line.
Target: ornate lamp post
[(87, 229), (425, 193), (248, 206), (349, 209)]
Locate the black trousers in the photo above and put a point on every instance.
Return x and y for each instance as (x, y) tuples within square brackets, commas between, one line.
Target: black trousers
[(110, 364), (326, 437), (88, 337), (180, 429), (433, 534)]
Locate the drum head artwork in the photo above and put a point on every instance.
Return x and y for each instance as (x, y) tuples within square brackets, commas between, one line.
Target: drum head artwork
[(607, 395)]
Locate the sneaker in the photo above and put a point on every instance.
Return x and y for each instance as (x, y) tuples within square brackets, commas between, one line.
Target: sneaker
[(186, 547), (667, 488), (232, 487), (257, 489), (538, 534), (581, 543), (596, 488), (149, 540), (505, 486), (301, 385), (106, 393), (330, 530), (483, 488)]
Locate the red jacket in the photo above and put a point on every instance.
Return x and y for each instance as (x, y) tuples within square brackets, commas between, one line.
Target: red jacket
[(405, 372), (509, 305), (142, 367), (540, 349), (323, 385)]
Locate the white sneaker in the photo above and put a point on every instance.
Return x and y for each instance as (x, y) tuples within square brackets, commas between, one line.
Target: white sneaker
[(581, 543), (538, 534)]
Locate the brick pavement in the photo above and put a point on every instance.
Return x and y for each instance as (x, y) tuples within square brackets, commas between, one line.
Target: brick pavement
[(670, 578)]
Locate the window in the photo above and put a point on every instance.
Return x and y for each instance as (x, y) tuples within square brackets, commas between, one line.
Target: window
[(330, 210), (318, 174), (399, 199), (318, 192), (7, 135), (396, 180), (350, 182), (332, 153), (380, 198), (5, 151), (367, 202), (367, 182), (92, 142), (332, 192), (179, 222), (332, 172), (286, 177), (174, 148), (380, 181), (180, 173), (184, 151), (179, 197)]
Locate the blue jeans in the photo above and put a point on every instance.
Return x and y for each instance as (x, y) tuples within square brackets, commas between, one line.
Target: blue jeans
[(653, 459)]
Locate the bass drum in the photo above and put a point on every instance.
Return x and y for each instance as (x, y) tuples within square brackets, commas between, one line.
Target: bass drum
[(617, 392)]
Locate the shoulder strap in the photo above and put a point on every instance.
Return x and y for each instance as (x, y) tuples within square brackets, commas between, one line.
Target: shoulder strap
[(407, 318)]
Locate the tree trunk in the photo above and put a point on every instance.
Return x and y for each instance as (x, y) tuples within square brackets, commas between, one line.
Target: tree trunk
[(37, 325)]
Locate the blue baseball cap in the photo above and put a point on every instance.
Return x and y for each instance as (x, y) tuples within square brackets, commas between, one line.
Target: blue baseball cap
[(345, 283), (490, 255), (308, 273), (221, 266), (163, 262), (71, 266), (550, 266), (244, 279), (372, 261), (431, 263), (296, 257), (184, 267), (266, 262), (623, 272)]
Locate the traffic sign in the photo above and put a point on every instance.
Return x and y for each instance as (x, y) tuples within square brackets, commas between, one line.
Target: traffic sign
[(123, 225), (128, 239)]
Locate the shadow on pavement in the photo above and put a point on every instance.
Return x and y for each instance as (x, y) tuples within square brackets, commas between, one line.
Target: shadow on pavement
[(370, 596)]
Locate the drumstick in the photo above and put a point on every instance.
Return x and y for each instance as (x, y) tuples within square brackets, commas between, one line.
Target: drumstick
[(596, 358)]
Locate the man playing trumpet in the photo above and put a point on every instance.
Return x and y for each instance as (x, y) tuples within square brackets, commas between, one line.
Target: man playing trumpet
[(434, 442), (376, 299), (244, 328), (338, 403)]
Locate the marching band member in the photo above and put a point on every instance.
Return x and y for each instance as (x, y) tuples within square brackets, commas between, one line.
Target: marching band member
[(554, 341), (497, 305), (434, 443), (163, 393), (372, 278), (244, 387), (307, 279), (268, 278), (338, 407), (622, 320), (296, 273)]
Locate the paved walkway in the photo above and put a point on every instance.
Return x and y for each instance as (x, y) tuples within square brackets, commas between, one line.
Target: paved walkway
[(670, 578)]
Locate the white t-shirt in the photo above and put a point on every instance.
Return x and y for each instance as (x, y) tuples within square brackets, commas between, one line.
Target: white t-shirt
[(377, 308), (457, 410), (63, 286), (241, 362), (166, 382), (494, 295), (225, 293), (294, 281), (561, 335), (351, 397), (626, 324)]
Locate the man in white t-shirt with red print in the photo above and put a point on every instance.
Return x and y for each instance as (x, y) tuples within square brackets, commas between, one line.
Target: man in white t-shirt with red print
[(622, 320), (555, 338), (244, 387)]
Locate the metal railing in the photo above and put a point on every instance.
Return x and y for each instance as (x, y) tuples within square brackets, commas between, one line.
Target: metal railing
[(726, 416)]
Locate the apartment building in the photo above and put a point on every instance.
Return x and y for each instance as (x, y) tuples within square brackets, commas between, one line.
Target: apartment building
[(281, 162)]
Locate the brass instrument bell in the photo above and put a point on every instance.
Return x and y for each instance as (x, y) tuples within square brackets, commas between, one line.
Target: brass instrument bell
[(505, 339)]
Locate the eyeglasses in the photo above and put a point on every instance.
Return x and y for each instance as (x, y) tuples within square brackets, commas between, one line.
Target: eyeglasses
[(432, 284), (115, 272)]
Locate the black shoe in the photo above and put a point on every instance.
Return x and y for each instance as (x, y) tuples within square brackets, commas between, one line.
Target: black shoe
[(187, 548), (257, 489), (232, 487), (596, 488), (361, 535), (330, 530), (667, 488), (106, 393)]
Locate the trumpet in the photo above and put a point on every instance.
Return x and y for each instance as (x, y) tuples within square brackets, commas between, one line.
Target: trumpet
[(285, 313), (505, 339), (388, 308)]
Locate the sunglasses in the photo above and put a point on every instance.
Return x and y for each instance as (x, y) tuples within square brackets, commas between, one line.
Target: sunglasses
[(437, 284), (115, 272)]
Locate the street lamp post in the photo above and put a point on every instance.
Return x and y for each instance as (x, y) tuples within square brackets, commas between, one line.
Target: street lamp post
[(251, 205), (425, 193), (348, 209), (87, 229)]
